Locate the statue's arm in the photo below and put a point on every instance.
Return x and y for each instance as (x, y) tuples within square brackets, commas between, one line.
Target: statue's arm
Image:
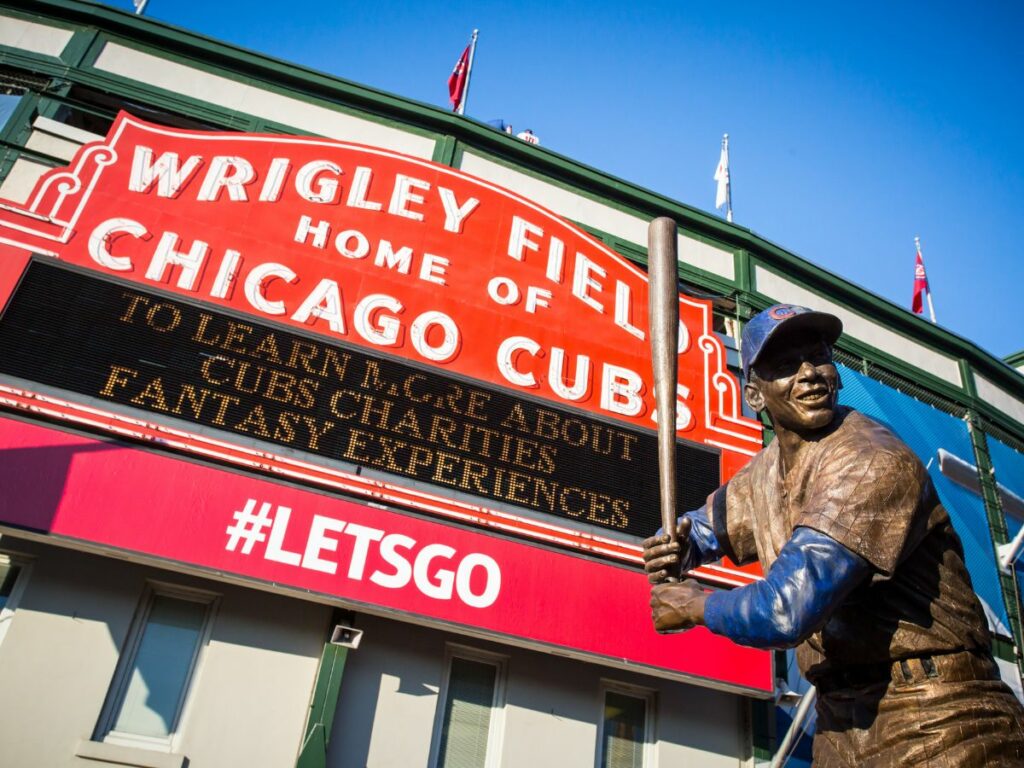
[(812, 575), (704, 547)]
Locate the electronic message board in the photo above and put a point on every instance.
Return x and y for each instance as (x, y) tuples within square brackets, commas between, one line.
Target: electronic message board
[(168, 357)]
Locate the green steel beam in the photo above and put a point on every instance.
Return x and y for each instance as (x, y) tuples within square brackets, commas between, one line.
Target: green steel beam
[(444, 150), (996, 519), (997, 526), (324, 701), (762, 729)]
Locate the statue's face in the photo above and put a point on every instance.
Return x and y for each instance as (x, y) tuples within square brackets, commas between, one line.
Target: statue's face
[(797, 382)]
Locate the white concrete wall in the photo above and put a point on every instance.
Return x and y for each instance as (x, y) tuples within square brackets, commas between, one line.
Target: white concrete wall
[(21, 180), (552, 714), (33, 36), (1012, 404), (249, 698), (160, 72)]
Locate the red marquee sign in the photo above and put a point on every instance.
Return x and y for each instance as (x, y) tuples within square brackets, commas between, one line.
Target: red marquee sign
[(397, 256), (473, 345)]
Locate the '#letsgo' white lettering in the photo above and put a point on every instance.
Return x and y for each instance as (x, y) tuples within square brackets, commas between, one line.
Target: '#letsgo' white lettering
[(436, 570)]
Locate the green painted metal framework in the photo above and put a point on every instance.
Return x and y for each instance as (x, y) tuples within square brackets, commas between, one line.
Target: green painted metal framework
[(53, 85)]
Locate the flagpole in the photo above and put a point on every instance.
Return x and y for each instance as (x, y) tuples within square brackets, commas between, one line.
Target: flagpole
[(728, 181), (928, 293), (469, 73)]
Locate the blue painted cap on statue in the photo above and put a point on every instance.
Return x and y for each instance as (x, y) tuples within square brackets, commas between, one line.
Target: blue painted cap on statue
[(767, 324)]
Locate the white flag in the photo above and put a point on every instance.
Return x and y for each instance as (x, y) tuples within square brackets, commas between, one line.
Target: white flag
[(722, 177)]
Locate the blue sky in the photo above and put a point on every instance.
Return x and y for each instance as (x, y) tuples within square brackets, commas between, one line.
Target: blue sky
[(853, 128)]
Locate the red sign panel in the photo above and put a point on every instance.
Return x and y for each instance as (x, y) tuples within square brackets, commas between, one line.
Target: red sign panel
[(62, 484), (314, 260)]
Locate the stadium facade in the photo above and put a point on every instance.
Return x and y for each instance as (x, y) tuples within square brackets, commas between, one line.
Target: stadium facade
[(327, 434)]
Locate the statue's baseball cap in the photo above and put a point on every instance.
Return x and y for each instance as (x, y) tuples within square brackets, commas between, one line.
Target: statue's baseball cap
[(783, 318)]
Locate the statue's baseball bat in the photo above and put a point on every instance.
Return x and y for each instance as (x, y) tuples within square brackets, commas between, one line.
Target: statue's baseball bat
[(663, 309)]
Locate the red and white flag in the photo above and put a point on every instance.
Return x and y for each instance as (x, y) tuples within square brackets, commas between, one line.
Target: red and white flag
[(458, 78), (921, 287)]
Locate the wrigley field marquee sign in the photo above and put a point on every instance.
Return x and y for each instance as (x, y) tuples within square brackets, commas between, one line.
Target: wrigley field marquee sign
[(331, 353), (385, 313)]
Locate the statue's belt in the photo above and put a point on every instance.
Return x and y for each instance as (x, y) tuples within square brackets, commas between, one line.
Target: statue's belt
[(959, 666)]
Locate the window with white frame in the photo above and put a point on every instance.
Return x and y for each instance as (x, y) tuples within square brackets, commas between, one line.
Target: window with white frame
[(157, 666), (468, 730), (626, 726), (13, 572)]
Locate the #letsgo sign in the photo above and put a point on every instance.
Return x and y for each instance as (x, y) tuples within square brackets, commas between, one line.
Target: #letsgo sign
[(383, 312), (375, 559), (423, 570)]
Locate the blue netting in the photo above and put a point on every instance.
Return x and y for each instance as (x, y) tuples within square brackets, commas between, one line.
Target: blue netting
[(926, 429)]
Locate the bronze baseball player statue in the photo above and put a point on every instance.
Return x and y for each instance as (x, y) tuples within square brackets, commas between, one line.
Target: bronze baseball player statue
[(864, 573)]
